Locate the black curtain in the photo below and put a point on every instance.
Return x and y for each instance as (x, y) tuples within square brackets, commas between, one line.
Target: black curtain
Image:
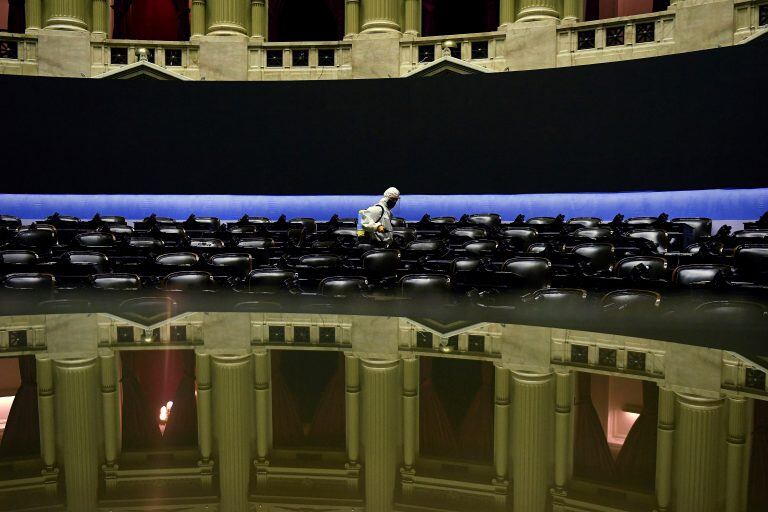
[(181, 428), (141, 430), (636, 463), (22, 430), (16, 16), (592, 457)]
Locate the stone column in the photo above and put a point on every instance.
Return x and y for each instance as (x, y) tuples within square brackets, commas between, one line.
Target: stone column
[(33, 11), (231, 384), (204, 421), (737, 453), (68, 14), (101, 17), (665, 442), (506, 13), (197, 18), (351, 18), (410, 416), (563, 401), (110, 413), (501, 435), (76, 382), (536, 10), (262, 418), (412, 22), (697, 446), (227, 17), (532, 401), (381, 15), (46, 413), (258, 18), (352, 395), (573, 10), (380, 386)]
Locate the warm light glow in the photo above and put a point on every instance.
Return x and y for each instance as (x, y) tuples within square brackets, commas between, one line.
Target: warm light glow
[(5, 409), (165, 411)]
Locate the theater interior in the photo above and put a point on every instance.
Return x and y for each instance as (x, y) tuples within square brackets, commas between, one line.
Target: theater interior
[(569, 312)]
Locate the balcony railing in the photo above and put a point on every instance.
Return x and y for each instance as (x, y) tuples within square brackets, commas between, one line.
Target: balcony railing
[(178, 56), (18, 54), (316, 60), (484, 49)]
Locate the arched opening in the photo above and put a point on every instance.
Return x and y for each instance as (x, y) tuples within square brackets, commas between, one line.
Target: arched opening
[(441, 17), (308, 20), (152, 20), (12, 16), (603, 9)]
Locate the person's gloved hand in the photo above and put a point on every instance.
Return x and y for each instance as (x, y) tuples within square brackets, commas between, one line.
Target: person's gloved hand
[(380, 229)]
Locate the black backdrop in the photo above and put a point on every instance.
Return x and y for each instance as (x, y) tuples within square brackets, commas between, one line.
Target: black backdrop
[(690, 121)]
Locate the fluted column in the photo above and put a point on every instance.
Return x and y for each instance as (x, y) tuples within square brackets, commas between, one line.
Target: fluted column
[(76, 382), (68, 14), (351, 18), (204, 413), (380, 386), (227, 17), (231, 384), (535, 10), (501, 425), (697, 446), (410, 412), (506, 13), (563, 401), (101, 17), (532, 400), (46, 413), (737, 452), (573, 10), (197, 18), (412, 22), (109, 407), (261, 376), (381, 15), (665, 442), (258, 18), (33, 12)]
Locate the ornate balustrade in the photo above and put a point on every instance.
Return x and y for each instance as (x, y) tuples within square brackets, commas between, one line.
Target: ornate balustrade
[(485, 49), (18, 54), (180, 57), (323, 60)]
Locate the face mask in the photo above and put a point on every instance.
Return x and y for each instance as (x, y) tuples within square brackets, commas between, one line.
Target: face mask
[(391, 203)]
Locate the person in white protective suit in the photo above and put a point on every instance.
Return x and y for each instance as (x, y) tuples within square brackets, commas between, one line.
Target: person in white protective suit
[(377, 219)]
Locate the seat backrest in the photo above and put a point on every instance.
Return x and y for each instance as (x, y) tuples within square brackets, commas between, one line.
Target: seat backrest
[(186, 259), (241, 261), (307, 223), (426, 245), (188, 280), (594, 233), (471, 233), (320, 260), (631, 300), (701, 226), (560, 296), (641, 221), (206, 243), (271, 280), (534, 272), (30, 281), (697, 274), (540, 221), (36, 238), (95, 240), (425, 285), (112, 219), (398, 222), (490, 220), (712, 246), (343, 287), (520, 236), (537, 248), (481, 246), (10, 221), (20, 257), (144, 242), (443, 220), (750, 314), (84, 258), (656, 265), (120, 230), (657, 237), (751, 233), (115, 281), (465, 264), (752, 258), (585, 222), (599, 255), (255, 243), (380, 263)]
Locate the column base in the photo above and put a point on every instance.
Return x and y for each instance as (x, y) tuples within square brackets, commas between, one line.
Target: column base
[(226, 29), (50, 479), (64, 23), (262, 471), (205, 469), (537, 13), (380, 26), (353, 476), (110, 476)]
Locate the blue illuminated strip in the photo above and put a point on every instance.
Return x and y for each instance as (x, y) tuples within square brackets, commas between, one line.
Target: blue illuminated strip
[(732, 204)]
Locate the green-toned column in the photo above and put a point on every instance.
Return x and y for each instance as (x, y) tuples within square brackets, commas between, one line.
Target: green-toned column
[(227, 17), (381, 15), (68, 14), (380, 386), (535, 10), (665, 442), (76, 382), (697, 446), (33, 12), (563, 401), (101, 17), (261, 374), (351, 18), (197, 18), (410, 412), (46, 413), (109, 407), (352, 397), (259, 18), (737, 452), (532, 411), (506, 13), (412, 22), (501, 425), (204, 421), (232, 411), (573, 10)]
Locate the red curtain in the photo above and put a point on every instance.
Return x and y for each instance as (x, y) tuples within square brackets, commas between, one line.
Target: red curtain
[(476, 434), (22, 430), (758, 463), (592, 457), (140, 421), (328, 426), (158, 20), (181, 429), (636, 463), (159, 373), (16, 16), (286, 421), (436, 434)]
